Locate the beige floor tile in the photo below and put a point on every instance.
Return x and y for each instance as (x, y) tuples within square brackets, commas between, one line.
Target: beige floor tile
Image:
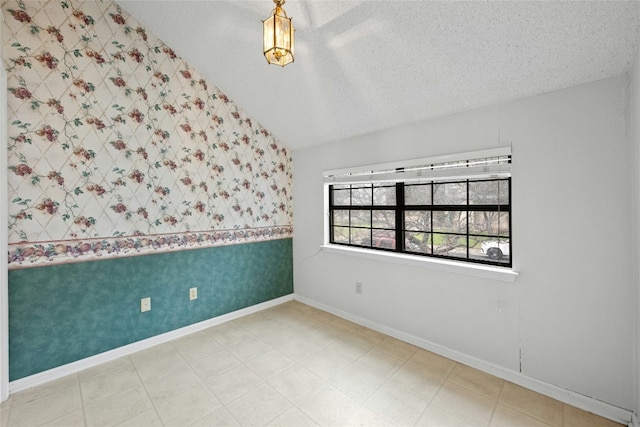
[(286, 313), (574, 417), (397, 348), (367, 335), (325, 363), (336, 330), (155, 364), (148, 418), (296, 382), (5, 408), (53, 387), (356, 383), (228, 335), (109, 383), (249, 319), (323, 336), (318, 315), (188, 407), (234, 383), (298, 349), (221, 328), (379, 363), (397, 403), (505, 416), (293, 321), (349, 349), (302, 325), (477, 381), (197, 346), (279, 337), (215, 364), (279, 312), (35, 407), (540, 407), (163, 388), (293, 417), (365, 417), (262, 325), (259, 406), (221, 417), (424, 385), (469, 406), (104, 368), (117, 408), (270, 364), (432, 363), (436, 417), (248, 350), (329, 407), (74, 419), (342, 324)]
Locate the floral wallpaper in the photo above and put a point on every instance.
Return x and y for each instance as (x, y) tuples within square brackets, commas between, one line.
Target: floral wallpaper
[(117, 146)]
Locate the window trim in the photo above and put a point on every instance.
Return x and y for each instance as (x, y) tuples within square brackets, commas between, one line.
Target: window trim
[(490, 271)]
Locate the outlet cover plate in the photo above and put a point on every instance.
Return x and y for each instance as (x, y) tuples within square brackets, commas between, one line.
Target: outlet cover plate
[(359, 288), (145, 304), (193, 294)]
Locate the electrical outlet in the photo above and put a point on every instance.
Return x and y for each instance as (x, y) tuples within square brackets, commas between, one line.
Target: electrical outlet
[(359, 288), (193, 294), (145, 304)]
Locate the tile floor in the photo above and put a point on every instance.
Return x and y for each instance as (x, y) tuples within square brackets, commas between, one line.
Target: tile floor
[(291, 365)]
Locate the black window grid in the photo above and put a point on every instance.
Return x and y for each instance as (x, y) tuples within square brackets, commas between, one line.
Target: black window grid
[(399, 230)]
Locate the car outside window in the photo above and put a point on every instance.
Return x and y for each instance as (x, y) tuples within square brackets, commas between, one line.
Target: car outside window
[(467, 220)]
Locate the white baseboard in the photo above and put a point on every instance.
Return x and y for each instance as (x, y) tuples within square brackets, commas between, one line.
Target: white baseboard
[(74, 367), (634, 420), (569, 397)]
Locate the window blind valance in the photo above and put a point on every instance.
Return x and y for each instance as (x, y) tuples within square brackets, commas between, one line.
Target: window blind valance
[(494, 163)]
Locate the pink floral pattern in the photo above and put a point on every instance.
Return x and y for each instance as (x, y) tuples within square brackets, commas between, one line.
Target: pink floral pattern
[(117, 146), (28, 255)]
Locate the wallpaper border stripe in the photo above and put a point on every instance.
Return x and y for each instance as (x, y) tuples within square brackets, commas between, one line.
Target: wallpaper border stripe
[(24, 255)]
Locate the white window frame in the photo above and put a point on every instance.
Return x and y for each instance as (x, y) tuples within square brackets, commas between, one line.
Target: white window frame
[(386, 172)]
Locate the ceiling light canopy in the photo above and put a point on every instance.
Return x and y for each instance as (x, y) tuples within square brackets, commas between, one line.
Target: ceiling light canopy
[(277, 34)]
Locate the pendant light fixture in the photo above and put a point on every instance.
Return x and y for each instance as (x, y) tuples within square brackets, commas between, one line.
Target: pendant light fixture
[(277, 34)]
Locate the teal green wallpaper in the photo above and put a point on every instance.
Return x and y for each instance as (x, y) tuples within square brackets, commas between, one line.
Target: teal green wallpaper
[(63, 313)]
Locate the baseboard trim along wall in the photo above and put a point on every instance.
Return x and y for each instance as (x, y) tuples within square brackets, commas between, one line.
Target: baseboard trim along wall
[(563, 395), (569, 397), (89, 362)]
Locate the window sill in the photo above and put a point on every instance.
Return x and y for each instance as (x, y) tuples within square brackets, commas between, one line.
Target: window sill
[(477, 270)]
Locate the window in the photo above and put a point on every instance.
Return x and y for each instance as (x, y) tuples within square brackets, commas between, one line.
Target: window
[(458, 210)]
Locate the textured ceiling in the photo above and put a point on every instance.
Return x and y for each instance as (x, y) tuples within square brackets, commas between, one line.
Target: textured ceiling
[(363, 66)]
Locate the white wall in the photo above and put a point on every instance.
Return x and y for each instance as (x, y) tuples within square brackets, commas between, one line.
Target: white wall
[(570, 312)]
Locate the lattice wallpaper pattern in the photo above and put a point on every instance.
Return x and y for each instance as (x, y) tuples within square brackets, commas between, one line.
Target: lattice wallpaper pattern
[(116, 145)]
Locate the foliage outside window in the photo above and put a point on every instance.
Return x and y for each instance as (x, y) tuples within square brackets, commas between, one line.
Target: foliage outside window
[(462, 219)]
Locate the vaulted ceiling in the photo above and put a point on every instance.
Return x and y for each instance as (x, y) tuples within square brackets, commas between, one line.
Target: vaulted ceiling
[(363, 66)]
